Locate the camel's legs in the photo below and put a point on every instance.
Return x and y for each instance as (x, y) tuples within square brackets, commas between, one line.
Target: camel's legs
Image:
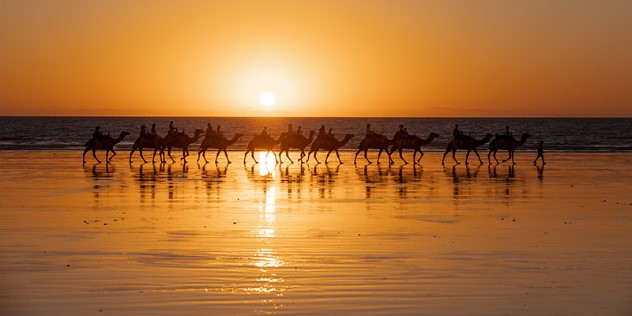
[(327, 157), (199, 153), (303, 155), (338, 155), (245, 155), (356, 155), (478, 156), (421, 155), (287, 154), (113, 154), (365, 156), (495, 157), (131, 153), (467, 157), (315, 152), (225, 154), (169, 154), (378, 156), (454, 156), (401, 156), (447, 150), (140, 150), (252, 154)]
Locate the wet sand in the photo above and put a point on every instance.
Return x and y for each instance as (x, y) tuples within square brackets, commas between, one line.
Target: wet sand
[(147, 239)]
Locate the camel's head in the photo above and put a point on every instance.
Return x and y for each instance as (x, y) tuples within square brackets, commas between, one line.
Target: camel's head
[(239, 135), (489, 136), (124, 134), (434, 135), (199, 131), (349, 136), (525, 136)]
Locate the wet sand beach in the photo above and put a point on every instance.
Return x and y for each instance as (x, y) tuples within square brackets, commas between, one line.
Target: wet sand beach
[(174, 239)]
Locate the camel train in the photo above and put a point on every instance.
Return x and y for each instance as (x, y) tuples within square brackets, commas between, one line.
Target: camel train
[(325, 141)]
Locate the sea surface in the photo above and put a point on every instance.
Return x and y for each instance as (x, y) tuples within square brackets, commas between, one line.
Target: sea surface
[(558, 134)]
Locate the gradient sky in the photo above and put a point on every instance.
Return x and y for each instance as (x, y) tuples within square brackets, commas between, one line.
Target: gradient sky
[(321, 58)]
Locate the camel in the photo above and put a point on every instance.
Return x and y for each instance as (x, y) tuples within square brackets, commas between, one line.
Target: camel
[(468, 143), (148, 141), (412, 142), (264, 142), (295, 141), (181, 140), (107, 143), (330, 144), (217, 141), (375, 141), (506, 142)]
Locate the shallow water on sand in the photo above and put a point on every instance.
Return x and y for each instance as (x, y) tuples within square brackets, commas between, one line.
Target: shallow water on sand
[(315, 239)]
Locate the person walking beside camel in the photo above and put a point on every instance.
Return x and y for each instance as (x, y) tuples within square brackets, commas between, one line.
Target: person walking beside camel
[(540, 153)]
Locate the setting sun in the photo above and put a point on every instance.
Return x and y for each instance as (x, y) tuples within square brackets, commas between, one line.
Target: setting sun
[(267, 99)]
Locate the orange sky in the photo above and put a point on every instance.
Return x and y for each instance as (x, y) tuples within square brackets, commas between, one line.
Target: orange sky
[(321, 58)]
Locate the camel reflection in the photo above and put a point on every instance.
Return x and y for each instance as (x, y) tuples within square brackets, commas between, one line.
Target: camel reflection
[(463, 180)]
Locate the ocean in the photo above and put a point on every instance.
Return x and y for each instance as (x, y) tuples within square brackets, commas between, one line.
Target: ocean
[(558, 134)]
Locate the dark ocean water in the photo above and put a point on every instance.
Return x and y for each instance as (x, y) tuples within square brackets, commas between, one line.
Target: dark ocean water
[(558, 134)]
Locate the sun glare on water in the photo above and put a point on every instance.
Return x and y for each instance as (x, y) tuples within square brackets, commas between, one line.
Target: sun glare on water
[(267, 99)]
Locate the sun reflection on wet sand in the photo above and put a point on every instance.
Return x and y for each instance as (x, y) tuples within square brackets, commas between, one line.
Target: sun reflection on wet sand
[(266, 258)]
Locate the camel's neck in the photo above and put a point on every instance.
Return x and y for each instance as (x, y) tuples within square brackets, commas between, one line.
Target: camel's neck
[(279, 140), (483, 141), (233, 140), (119, 139), (195, 137), (343, 142)]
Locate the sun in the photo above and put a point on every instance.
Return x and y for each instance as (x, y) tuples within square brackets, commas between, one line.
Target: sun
[(267, 99)]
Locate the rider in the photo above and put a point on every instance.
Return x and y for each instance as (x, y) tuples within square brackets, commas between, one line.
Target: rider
[(209, 130), (321, 131), (218, 132), (153, 129), (143, 130), (97, 133), (171, 128), (456, 133), (369, 132), (400, 132), (264, 132), (299, 131)]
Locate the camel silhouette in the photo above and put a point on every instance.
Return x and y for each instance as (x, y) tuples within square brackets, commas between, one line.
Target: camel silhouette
[(374, 141), (295, 141), (148, 141), (412, 142), (263, 141), (107, 143), (506, 142), (217, 141), (330, 144), (468, 143), (180, 140)]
